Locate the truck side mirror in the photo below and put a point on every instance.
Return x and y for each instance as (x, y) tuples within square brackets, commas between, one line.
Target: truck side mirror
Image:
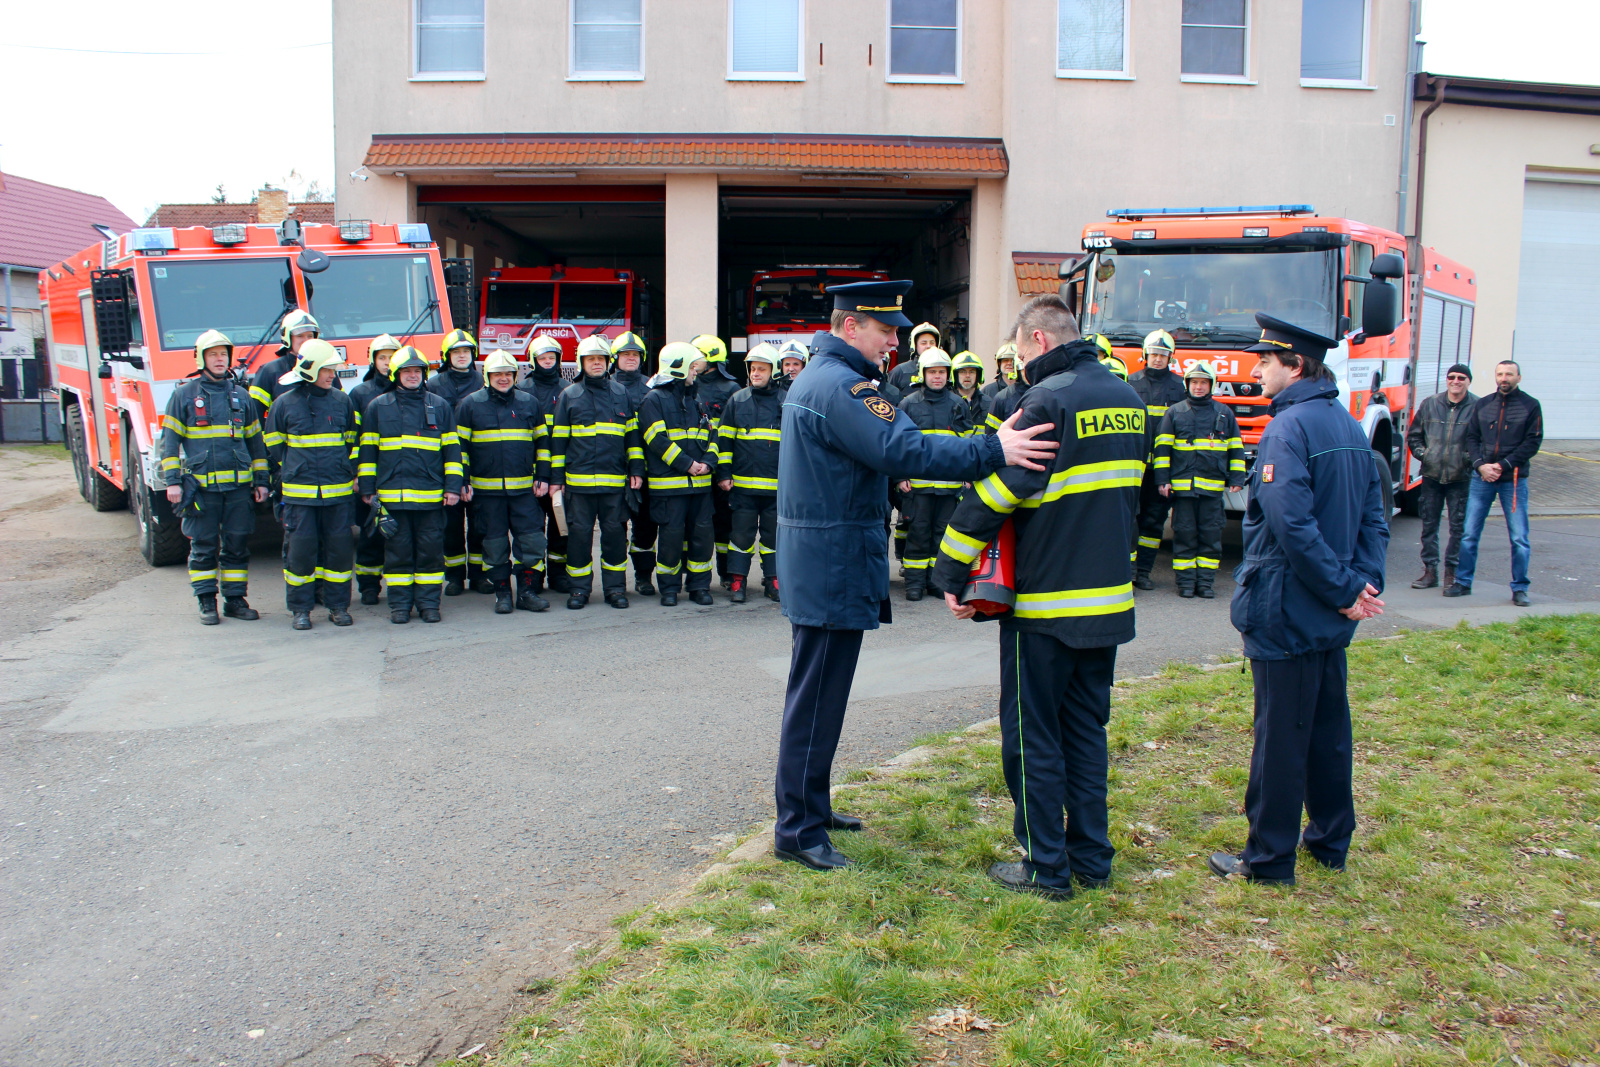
[(1387, 265), (1380, 308), (310, 261)]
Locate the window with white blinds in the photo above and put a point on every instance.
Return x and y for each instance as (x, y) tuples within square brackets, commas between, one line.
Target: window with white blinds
[(448, 40), (1092, 38), (607, 39), (1333, 42), (764, 39), (925, 40)]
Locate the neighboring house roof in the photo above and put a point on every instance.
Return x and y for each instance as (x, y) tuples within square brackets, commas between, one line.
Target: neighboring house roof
[(42, 224), (1518, 96), (180, 215), (832, 154), (1040, 272)]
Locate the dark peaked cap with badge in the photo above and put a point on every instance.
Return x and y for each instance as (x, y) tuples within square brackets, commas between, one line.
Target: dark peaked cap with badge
[(1280, 336), (884, 301)]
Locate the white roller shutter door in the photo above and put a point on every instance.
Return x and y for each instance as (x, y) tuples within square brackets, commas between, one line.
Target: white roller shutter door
[(1558, 306)]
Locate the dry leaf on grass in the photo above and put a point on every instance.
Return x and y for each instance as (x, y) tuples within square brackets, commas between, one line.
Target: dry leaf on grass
[(959, 1020)]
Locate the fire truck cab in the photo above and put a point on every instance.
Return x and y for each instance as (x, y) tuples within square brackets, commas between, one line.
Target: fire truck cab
[(122, 317), (567, 303), (791, 303), (1201, 274)]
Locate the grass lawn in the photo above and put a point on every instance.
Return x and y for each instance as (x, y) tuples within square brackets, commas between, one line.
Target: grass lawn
[(1463, 931)]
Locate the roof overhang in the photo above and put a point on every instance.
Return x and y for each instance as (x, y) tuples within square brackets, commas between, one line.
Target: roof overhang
[(528, 156), (1518, 96)]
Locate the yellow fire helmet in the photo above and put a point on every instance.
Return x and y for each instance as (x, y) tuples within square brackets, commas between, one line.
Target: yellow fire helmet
[(315, 356), (925, 327), (384, 342), (628, 342), (967, 360), (542, 344), (456, 339), (711, 347), (676, 357), (1116, 366), (298, 321), (498, 361), (595, 345), (407, 357), (1159, 341), (211, 339), (1102, 342), (933, 357), (763, 353), (1201, 369)]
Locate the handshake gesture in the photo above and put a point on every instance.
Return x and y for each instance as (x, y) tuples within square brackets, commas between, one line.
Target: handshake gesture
[(1366, 606)]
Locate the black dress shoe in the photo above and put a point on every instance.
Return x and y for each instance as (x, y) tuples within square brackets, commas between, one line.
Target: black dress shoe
[(1459, 590), (1519, 597), (823, 857), (1185, 592), (400, 616), (531, 601), (848, 823), (1019, 879), (617, 600), (237, 607), (429, 614), (1142, 581), (369, 596), (503, 604), (669, 598), (452, 588), (340, 617), (301, 621), (1223, 864), (1205, 592), (577, 601)]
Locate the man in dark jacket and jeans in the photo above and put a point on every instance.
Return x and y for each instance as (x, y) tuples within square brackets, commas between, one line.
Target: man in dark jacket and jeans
[(1438, 438), (1315, 536), (1504, 431)]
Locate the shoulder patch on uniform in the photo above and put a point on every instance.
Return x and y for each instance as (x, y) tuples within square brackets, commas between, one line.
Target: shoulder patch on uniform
[(1266, 472), (880, 407), (861, 387)]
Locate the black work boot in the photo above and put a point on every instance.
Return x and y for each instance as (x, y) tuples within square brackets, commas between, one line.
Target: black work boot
[(669, 598), (1429, 579), (736, 589), (617, 598), (301, 621), (369, 595), (577, 601), (482, 585), (400, 616), (340, 617), (1186, 591), (1205, 592), (429, 614), (530, 600), (772, 590), (1142, 581), (915, 592), (208, 609), (644, 565), (502, 602), (701, 597), (452, 587), (237, 607), (558, 580)]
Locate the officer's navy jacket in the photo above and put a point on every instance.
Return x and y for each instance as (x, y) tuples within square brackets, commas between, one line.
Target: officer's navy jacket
[(1315, 533), (840, 442)]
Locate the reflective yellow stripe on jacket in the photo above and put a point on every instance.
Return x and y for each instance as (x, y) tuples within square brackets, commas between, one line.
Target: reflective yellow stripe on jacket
[(1065, 603)]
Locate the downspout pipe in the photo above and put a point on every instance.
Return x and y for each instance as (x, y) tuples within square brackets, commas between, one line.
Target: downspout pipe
[(1413, 67), (1416, 235)]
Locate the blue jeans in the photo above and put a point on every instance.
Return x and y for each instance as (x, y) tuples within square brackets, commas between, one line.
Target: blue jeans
[(1513, 497)]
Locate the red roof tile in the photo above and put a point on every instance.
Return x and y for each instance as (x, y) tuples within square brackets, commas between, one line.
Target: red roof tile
[(211, 214), (807, 152), (42, 224), (1040, 272)]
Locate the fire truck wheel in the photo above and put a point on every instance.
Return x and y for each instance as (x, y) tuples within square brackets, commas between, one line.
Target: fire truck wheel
[(1385, 482), (161, 543), (79, 449), (102, 494)]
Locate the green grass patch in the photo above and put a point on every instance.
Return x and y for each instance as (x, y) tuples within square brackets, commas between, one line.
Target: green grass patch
[(38, 452), (1464, 930)]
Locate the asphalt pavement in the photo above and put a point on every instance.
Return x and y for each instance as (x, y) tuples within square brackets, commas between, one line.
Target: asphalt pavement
[(243, 845)]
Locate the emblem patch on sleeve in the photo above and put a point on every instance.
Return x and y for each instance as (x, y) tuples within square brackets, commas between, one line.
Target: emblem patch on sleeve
[(1266, 473), (861, 387), (880, 407)]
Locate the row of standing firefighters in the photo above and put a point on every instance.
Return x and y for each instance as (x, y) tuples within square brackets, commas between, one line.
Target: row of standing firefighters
[(438, 484)]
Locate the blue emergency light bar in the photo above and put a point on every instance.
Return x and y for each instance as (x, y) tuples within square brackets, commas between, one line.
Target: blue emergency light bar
[(1256, 209)]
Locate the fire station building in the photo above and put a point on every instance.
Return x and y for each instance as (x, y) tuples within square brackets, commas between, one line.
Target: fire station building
[(961, 144)]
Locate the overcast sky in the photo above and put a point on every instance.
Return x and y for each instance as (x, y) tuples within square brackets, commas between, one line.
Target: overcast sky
[(99, 100)]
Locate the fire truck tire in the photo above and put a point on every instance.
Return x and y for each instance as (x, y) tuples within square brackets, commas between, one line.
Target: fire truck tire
[(78, 446), (161, 543), (101, 493), (1386, 481)]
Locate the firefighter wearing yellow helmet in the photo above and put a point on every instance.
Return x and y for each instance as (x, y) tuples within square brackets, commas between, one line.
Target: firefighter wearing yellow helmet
[(1005, 369), (1115, 365), (214, 468), (681, 458), (1199, 456), (458, 378), (544, 382), (627, 370), (1159, 388), (714, 389), (311, 436), (298, 328), (369, 541)]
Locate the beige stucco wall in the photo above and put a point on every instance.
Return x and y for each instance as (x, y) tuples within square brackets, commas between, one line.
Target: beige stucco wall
[(1077, 147), (1478, 160)]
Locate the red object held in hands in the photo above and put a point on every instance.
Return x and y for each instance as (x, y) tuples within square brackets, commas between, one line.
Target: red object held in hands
[(991, 587)]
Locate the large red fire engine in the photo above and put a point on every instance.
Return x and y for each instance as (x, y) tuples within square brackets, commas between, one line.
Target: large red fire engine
[(568, 303), (1201, 274), (121, 319), (791, 303)]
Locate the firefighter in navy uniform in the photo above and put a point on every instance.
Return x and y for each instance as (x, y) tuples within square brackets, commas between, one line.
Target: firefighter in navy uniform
[(1315, 542), (627, 363), (906, 374), (298, 328), (1199, 456), (502, 430), (369, 539), (1159, 388), (411, 465), (458, 378), (1074, 597), (966, 380), (747, 470), (927, 503), (840, 442), (595, 457), (311, 442), (1005, 362), (212, 451), (714, 388), (682, 458), (792, 359), (542, 379)]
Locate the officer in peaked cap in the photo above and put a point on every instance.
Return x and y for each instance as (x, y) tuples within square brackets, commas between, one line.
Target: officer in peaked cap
[(840, 442)]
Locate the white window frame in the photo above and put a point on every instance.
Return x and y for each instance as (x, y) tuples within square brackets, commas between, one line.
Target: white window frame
[(923, 79), (417, 75), (575, 75), (799, 74), (1222, 79), (1126, 73), (1365, 81)]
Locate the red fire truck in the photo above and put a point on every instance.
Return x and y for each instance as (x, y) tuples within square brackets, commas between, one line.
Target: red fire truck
[(790, 303), (1201, 274), (568, 303), (121, 319)]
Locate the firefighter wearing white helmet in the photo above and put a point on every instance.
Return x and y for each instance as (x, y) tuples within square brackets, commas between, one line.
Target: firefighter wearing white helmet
[(214, 467), (298, 328), (713, 389), (627, 370), (369, 539), (904, 375), (1005, 369), (681, 457), (927, 503), (502, 431), (311, 437), (792, 359), (1199, 455), (544, 382), (458, 378), (747, 470), (1159, 388)]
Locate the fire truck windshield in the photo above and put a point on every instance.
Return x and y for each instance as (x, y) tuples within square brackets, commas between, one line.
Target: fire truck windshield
[(593, 304), (790, 300), (236, 296), (363, 296), (520, 302), (1211, 298)]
